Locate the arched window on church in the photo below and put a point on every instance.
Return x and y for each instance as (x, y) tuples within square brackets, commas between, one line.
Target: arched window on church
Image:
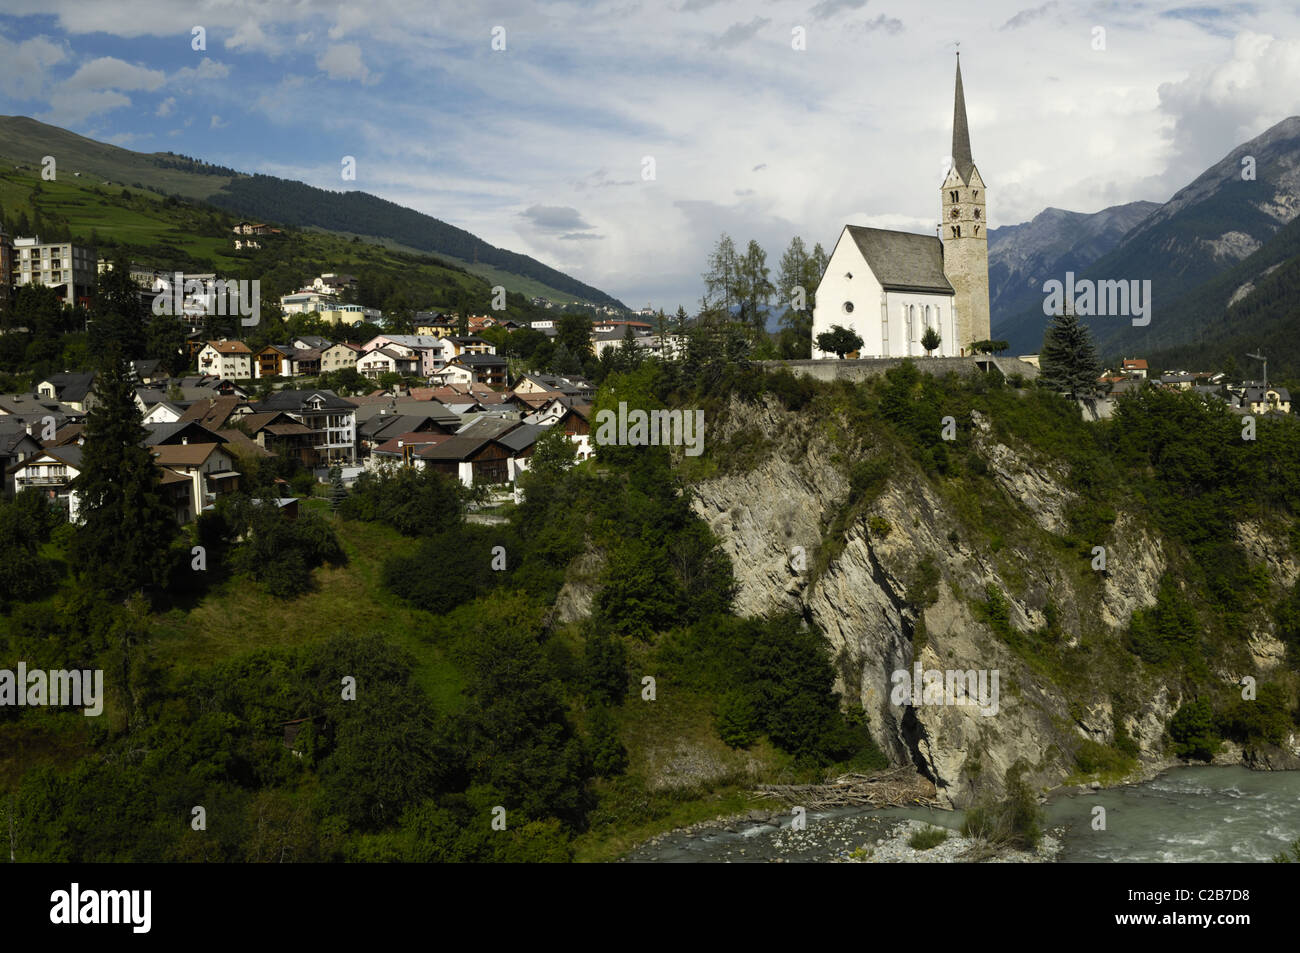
[(977, 229), (927, 317), (956, 231), (954, 196), (909, 314)]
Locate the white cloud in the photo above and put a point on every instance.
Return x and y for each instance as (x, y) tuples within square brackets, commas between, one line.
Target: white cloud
[(108, 72), (1221, 104), (217, 122), (24, 73), (207, 69), (343, 61), (69, 107), (166, 106)]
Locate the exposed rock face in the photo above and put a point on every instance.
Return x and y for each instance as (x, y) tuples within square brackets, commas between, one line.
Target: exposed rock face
[(860, 600), (1038, 487), (574, 600)]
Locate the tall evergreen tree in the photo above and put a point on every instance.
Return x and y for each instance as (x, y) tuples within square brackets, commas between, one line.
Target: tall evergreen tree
[(755, 287), (117, 314), (722, 280), (1068, 362), (122, 542)]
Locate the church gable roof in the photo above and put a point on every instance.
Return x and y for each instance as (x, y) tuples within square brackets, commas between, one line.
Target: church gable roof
[(902, 261)]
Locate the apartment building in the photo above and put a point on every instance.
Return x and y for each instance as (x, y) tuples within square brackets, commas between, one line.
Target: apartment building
[(62, 265)]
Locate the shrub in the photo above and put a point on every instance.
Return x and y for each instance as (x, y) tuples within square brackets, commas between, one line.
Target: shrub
[(927, 837), (608, 756), (1013, 820), (1193, 730), (736, 720), (1096, 758)]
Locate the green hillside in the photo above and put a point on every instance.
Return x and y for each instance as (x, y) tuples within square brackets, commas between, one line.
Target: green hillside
[(166, 232), (24, 142)]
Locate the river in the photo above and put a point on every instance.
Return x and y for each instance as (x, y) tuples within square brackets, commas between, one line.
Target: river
[(1185, 815)]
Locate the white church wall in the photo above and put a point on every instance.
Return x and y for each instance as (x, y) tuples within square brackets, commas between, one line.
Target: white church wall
[(838, 290), (905, 337), (877, 316)]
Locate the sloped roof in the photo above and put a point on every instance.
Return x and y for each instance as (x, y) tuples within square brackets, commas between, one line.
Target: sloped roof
[(401, 441), (902, 261), (171, 432), (454, 448), (72, 388), (522, 437), (230, 347), (212, 412), (488, 426), (242, 442), (182, 454)]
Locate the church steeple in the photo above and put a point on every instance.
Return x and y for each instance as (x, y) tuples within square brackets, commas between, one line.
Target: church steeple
[(961, 156), (965, 242)]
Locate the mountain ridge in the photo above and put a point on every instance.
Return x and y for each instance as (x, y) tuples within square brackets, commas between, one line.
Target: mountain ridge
[(262, 196)]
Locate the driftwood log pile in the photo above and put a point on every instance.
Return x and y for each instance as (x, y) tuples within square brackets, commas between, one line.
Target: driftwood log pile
[(897, 787)]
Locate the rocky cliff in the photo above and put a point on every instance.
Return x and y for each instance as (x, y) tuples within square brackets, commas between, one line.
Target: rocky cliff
[(909, 576)]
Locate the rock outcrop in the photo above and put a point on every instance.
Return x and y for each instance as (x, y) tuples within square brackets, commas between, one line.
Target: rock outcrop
[(771, 520)]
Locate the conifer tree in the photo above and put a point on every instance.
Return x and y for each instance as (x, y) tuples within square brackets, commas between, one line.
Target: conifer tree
[(118, 313), (126, 527), (1068, 362)]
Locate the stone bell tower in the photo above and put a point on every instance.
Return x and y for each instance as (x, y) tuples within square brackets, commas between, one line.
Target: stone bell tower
[(963, 230)]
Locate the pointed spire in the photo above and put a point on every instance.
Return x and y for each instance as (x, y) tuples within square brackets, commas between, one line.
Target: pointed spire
[(961, 156)]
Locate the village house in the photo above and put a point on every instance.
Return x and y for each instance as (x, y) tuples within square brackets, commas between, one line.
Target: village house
[(471, 369), (51, 472), (274, 360), (1263, 400), (1134, 367), (279, 434), (389, 359), (16, 445), (209, 468), (229, 359), (548, 383), (331, 419), (350, 314), (75, 390), (431, 351), (336, 357)]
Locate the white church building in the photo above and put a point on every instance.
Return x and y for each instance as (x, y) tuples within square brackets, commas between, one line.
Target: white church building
[(890, 287)]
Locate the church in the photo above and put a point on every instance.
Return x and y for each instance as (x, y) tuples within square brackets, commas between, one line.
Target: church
[(889, 287)]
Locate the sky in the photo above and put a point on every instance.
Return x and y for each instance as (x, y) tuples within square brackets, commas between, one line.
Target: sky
[(617, 140)]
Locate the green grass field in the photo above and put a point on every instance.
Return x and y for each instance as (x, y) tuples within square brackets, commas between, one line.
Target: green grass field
[(239, 616)]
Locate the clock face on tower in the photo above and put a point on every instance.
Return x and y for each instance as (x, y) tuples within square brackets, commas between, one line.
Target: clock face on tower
[(953, 214)]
